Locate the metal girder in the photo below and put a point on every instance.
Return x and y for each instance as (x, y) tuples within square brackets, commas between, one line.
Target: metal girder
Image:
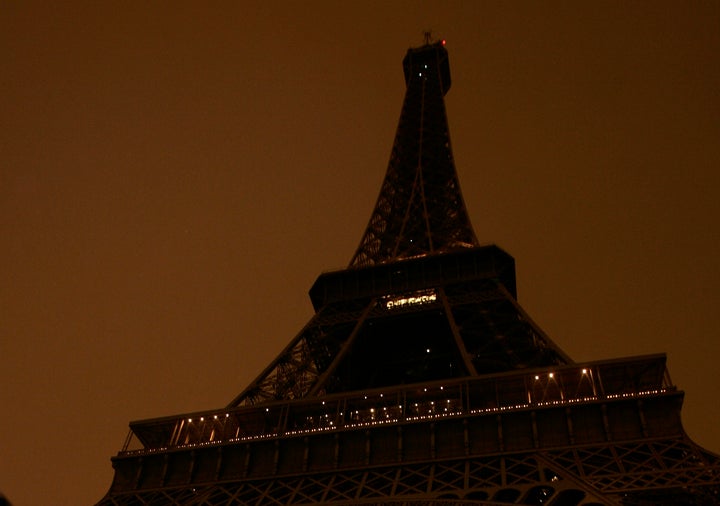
[(485, 325), (492, 480), (600, 474)]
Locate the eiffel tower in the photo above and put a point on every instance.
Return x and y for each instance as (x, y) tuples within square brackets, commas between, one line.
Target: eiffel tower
[(421, 381)]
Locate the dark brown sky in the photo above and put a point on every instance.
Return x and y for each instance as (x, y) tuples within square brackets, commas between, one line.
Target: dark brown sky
[(173, 177)]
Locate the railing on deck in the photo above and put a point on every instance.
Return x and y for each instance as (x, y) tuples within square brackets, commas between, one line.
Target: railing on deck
[(597, 381)]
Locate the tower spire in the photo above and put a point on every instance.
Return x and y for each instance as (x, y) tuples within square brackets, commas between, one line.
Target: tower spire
[(420, 209)]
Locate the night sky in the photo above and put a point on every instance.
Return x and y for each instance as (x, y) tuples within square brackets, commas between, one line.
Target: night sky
[(174, 176)]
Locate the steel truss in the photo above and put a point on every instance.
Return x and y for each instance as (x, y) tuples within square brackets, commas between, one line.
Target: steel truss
[(589, 475), (420, 209), (490, 333)]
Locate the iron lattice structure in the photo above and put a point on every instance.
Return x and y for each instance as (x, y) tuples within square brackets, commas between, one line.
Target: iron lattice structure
[(421, 381), (420, 209)]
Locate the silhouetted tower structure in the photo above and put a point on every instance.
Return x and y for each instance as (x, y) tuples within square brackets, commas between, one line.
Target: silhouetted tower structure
[(420, 380)]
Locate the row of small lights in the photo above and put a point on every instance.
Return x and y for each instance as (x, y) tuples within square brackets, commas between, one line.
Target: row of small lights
[(430, 415), (639, 394), (332, 427), (372, 410), (202, 418), (447, 412)]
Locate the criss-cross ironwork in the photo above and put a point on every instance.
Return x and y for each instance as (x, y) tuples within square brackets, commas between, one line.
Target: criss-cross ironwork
[(420, 381), (420, 209)]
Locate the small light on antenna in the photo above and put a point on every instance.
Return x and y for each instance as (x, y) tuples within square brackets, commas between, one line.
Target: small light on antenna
[(443, 42)]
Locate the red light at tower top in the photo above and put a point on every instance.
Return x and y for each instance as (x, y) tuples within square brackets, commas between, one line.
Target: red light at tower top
[(443, 42)]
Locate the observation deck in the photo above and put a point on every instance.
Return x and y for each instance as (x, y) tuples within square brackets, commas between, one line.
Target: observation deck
[(592, 384)]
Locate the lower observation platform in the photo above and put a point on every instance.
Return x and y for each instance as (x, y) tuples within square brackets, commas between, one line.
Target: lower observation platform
[(577, 429)]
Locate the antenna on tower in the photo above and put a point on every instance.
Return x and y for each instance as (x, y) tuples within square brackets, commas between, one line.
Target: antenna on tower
[(428, 36)]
